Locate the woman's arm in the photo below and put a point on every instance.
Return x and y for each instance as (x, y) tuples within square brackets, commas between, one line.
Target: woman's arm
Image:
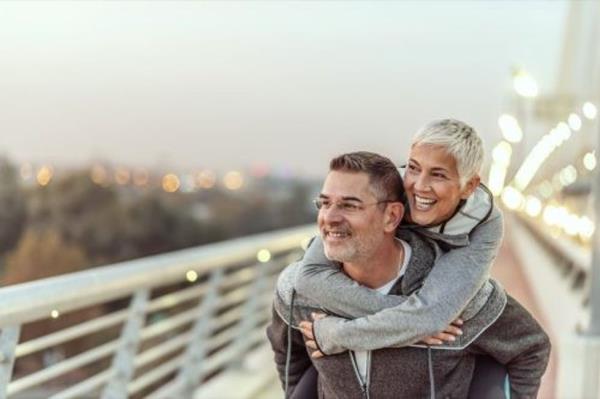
[(451, 284), (324, 281)]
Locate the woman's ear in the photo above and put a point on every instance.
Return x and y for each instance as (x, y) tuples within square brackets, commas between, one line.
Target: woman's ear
[(470, 187)]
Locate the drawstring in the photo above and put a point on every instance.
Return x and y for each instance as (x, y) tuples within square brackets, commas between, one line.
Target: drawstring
[(431, 378), (288, 355)]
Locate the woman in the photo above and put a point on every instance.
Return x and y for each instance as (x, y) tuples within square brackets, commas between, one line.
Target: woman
[(446, 202)]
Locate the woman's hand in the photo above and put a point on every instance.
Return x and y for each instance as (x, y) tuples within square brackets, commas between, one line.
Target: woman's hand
[(307, 330), (448, 335)]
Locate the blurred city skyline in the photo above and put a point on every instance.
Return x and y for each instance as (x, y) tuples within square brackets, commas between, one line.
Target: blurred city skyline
[(229, 85)]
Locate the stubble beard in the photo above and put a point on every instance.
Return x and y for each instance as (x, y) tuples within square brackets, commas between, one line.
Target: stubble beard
[(356, 250), (345, 253)]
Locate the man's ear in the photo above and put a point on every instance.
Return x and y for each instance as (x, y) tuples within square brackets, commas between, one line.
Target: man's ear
[(470, 187), (393, 216)]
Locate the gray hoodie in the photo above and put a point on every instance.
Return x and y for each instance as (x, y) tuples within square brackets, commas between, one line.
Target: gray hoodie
[(501, 329), (458, 285)]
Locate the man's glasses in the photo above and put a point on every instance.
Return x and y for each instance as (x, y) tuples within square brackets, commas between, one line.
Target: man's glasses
[(347, 207)]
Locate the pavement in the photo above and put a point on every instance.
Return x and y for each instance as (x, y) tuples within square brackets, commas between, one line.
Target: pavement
[(509, 272)]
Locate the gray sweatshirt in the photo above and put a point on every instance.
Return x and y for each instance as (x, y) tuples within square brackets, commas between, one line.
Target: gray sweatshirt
[(458, 285), (502, 329)]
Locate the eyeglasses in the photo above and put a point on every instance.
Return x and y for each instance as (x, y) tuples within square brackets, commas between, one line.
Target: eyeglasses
[(347, 207)]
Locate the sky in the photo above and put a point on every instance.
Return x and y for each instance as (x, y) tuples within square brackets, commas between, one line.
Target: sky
[(230, 84)]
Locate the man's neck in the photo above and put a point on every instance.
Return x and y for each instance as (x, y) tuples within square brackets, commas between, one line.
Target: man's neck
[(380, 268)]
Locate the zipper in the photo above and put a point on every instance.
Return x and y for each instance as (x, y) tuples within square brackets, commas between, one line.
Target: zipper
[(368, 382), (364, 385)]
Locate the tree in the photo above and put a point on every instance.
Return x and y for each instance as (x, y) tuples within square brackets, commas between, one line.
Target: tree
[(42, 254), (13, 211)]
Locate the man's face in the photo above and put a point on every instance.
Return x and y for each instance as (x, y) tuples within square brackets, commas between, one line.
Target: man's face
[(432, 184), (350, 221)]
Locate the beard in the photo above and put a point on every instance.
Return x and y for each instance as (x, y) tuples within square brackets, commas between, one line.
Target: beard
[(341, 253), (356, 248)]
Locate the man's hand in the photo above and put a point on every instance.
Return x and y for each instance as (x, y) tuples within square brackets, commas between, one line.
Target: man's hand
[(307, 330), (448, 335)]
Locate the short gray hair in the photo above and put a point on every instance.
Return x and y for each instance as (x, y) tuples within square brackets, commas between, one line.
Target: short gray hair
[(384, 178), (460, 140)]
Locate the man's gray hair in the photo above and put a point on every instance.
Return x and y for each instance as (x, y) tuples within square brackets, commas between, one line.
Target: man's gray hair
[(460, 141)]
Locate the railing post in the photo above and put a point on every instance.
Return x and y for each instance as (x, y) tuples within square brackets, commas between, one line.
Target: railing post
[(122, 368), (9, 337), (191, 370), (249, 317)]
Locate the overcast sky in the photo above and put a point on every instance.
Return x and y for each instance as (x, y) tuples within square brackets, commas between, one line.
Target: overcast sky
[(231, 84)]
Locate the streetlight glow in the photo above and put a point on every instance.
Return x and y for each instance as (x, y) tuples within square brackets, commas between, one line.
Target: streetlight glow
[(512, 198), (568, 175), (589, 110), (575, 122), (525, 85), (171, 183), (496, 179), (510, 128), (501, 153), (44, 175), (233, 180), (563, 131), (206, 179), (191, 276), (586, 228), (533, 206), (26, 171), (589, 160), (263, 256)]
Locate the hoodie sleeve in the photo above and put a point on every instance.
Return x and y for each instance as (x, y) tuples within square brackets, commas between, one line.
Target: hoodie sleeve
[(324, 282), (454, 280), (277, 332), (519, 342)]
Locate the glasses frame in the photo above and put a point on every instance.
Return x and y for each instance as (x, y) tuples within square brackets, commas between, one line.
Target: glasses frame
[(359, 206)]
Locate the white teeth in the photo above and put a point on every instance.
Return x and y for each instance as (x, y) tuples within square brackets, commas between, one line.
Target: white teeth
[(424, 204), (424, 201), (337, 234)]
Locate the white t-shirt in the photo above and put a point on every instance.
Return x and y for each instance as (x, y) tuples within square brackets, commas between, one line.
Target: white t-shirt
[(361, 356)]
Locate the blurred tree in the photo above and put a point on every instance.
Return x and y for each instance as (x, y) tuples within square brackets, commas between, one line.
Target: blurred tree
[(158, 222), (42, 254), (277, 205), (116, 223), (13, 211), (81, 211)]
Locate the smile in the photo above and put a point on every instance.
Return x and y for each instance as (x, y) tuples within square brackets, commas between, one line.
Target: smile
[(336, 235), (424, 204)]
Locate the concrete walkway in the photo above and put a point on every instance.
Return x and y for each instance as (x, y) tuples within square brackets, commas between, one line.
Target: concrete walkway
[(509, 272)]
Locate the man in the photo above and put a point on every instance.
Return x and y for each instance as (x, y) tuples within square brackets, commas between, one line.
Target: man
[(360, 209)]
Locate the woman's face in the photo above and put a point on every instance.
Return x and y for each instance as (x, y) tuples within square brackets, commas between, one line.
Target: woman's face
[(432, 184)]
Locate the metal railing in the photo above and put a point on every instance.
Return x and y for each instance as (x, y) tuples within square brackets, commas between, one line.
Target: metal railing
[(558, 269), (573, 260), (174, 320)]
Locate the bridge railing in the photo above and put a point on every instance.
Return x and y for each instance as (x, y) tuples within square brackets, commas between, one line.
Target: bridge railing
[(572, 261), (159, 326), (558, 271)]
